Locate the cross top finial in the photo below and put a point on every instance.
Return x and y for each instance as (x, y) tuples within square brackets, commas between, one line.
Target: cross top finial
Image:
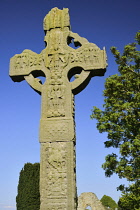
[(56, 18)]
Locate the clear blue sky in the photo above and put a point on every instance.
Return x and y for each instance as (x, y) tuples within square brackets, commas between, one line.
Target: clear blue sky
[(103, 22)]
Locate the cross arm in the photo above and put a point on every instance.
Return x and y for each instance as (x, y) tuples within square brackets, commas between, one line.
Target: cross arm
[(88, 61), (28, 65)]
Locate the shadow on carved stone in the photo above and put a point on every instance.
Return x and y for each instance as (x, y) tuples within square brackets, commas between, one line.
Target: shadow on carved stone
[(74, 73)]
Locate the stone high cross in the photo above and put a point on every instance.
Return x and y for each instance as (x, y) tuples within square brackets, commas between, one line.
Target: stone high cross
[(58, 62)]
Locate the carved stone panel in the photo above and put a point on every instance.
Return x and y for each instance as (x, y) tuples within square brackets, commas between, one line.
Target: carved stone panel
[(24, 63), (57, 130), (57, 177)]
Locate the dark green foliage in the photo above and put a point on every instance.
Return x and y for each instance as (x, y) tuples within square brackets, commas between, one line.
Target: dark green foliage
[(130, 197), (108, 202), (121, 120), (28, 197)]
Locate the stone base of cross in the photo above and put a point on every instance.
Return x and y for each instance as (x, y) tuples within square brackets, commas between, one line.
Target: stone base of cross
[(58, 62)]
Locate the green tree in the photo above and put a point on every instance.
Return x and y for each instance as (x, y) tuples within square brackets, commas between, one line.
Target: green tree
[(130, 197), (28, 197), (108, 202), (121, 120)]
